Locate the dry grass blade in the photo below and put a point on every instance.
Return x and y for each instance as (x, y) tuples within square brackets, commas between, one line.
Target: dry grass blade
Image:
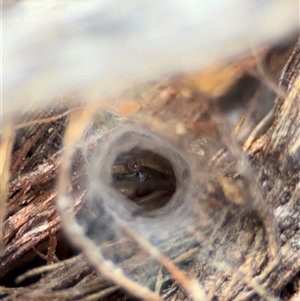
[(192, 285), (74, 132), (7, 140)]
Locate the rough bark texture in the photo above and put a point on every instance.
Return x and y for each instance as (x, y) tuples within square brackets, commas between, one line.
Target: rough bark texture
[(245, 241)]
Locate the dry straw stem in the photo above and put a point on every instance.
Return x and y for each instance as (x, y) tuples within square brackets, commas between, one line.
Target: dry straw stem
[(191, 285), (73, 134), (7, 140)]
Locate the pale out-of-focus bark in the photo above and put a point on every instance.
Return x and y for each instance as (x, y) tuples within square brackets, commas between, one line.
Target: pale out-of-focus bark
[(93, 48)]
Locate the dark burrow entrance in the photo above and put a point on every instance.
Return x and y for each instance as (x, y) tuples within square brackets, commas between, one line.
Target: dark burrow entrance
[(144, 177)]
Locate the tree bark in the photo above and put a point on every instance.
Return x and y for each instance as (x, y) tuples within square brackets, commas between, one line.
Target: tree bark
[(246, 245)]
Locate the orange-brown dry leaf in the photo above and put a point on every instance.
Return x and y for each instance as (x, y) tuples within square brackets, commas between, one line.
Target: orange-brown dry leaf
[(128, 108), (218, 79), (232, 191)]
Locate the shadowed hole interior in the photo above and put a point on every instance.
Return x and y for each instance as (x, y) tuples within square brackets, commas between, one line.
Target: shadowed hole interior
[(144, 177)]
